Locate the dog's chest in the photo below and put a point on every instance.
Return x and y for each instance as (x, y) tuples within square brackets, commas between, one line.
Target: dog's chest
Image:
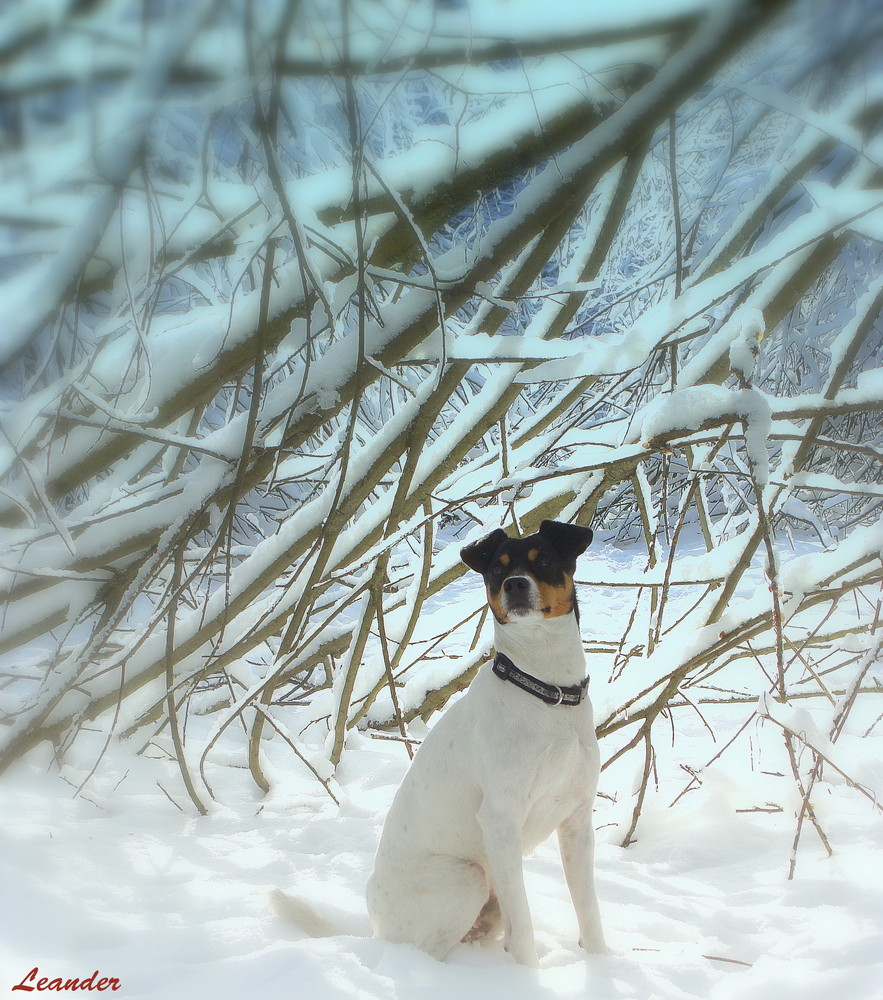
[(560, 783)]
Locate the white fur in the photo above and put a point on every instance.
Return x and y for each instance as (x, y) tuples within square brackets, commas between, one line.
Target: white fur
[(296, 911), (495, 776)]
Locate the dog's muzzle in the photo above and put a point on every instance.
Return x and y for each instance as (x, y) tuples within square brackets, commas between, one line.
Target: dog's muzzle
[(519, 595)]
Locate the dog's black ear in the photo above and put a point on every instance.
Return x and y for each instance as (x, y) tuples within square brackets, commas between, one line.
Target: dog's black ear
[(569, 539), (478, 555)]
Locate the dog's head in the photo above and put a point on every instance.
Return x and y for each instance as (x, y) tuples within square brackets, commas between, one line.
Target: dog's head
[(532, 577)]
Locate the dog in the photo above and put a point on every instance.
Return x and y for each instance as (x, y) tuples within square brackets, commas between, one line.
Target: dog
[(514, 759)]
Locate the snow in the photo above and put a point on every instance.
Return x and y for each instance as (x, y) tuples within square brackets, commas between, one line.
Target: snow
[(528, 22), (744, 345), (173, 905), (104, 864), (125, 878), (695, 407), (623, 351)]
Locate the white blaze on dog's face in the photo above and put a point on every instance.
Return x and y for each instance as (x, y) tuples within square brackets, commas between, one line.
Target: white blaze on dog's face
[(529, 578)]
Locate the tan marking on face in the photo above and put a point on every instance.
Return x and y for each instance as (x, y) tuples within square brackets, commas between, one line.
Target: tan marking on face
[(532, 554), (496, 604), (558, 600), (504, 559)]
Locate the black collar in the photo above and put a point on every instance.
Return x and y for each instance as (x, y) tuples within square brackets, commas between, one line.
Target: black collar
[(551, 694)]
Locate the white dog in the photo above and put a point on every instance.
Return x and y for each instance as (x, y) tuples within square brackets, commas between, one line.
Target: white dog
[(513, 760)]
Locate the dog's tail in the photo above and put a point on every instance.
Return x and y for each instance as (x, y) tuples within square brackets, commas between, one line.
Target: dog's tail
[(296, 911)]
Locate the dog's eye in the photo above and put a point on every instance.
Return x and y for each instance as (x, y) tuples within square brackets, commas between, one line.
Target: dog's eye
[(498, 569)]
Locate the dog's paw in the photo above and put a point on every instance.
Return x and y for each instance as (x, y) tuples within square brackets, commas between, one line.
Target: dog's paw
[(524, 953), (594, 946)]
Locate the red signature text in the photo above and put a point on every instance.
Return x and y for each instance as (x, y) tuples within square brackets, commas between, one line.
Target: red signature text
[(93, 982)]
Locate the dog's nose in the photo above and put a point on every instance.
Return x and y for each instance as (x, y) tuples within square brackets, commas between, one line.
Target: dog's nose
[(516, 584)]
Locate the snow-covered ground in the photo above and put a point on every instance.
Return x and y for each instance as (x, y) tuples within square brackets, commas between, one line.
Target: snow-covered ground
[(122, 881), (126, 879)]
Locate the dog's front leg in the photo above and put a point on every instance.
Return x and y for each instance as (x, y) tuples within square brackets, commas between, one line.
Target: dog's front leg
[(502, 841), (576, 840)]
